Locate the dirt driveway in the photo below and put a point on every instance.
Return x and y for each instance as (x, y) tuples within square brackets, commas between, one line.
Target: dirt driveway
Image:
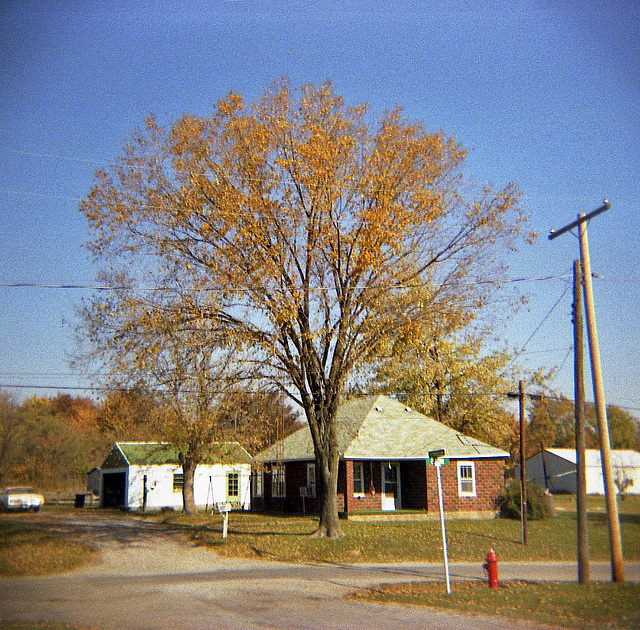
[(149, 577)]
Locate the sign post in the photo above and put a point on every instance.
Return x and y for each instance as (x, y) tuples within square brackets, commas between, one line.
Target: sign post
[(224, 509), (437, 457), (303, 495)]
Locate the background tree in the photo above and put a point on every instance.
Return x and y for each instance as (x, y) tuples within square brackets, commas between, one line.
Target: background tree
[(447, 375), (623, 427), (52, 442), (315, 238), (130, 415), (552, 424), (8, 433)]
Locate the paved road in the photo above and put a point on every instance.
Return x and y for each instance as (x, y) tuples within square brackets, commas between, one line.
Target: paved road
[(150, 578)]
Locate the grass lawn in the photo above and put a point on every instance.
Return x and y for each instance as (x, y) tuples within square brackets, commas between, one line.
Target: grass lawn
[(287, 538), (558, 604), (26, 550)]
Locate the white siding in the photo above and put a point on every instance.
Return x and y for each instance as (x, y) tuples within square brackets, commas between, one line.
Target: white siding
[(561, 470), (210, 486)]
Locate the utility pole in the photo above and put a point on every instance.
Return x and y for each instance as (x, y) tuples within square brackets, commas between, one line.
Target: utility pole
[(523, 464), (521, 395), (613, 520), (584, 570)]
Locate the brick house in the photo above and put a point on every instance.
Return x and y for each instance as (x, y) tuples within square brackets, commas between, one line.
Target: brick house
[(383, 465)]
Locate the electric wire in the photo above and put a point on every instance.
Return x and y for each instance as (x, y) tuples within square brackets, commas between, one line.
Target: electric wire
[(108, 388), (104, 287)]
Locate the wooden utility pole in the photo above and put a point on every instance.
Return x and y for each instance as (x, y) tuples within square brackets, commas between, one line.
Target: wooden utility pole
[(584, 570), (523, 464), (617, 564), (613, 520), (521, 396)]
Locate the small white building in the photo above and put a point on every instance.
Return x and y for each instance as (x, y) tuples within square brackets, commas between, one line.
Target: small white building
[(555, 469), (148, 475)]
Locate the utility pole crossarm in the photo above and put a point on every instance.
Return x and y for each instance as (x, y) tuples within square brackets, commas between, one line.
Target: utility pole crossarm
[(603, 208)]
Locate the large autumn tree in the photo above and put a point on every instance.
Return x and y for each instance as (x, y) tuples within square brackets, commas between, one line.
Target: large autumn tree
[(305, 235), (256, 419)]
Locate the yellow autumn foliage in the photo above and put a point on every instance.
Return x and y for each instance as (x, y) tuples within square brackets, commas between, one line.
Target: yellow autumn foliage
[(297, 232)]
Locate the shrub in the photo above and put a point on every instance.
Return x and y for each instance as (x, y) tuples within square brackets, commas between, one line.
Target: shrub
[(539, 504)]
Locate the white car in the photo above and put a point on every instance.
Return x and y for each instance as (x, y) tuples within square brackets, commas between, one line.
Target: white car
[(21, 499)]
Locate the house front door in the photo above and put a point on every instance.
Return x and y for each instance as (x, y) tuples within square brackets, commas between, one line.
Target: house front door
[(390, 486)]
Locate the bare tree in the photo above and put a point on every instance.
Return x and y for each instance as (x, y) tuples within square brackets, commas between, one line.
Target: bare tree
[(151, 342)]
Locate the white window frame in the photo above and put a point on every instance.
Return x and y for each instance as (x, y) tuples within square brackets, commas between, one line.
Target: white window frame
[(463, 482), (311, 480), (258, 483), (178, 481), (358, 479), (278, 481), (233, 478)]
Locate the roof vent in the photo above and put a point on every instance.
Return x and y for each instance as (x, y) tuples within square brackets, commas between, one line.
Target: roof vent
[(378, 408), (407, 409)]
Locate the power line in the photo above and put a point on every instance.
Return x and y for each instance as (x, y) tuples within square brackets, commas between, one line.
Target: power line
[(98, 287), (537, 329), (101, 163), (95, 388), (546, 317), (51, 156)]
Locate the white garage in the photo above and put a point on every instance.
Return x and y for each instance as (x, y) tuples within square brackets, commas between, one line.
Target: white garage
[(148, 475), (555, 470)]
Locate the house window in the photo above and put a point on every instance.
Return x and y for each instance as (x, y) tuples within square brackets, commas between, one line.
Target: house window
[(233, 485), (358, 479), (178, 482), (278, 486), (466, 479), (311, 480), (258, 483)]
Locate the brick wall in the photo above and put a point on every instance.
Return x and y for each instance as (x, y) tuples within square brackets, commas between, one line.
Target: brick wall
[(372, 500), (415, 493), (489, 474)]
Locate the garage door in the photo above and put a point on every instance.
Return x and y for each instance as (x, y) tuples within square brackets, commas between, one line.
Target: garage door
[(113, 489)]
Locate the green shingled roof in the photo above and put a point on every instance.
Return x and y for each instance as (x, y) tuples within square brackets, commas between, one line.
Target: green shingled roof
[(152, 453), (378, 427)]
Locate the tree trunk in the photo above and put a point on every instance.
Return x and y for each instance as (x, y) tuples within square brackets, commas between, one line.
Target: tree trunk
[(321, 408), (188, 471), (329, 526)]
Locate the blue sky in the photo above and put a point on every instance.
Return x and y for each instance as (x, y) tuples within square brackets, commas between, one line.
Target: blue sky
[(546, 94)]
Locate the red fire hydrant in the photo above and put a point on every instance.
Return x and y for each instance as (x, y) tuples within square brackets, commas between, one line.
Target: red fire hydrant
[(491, 567)]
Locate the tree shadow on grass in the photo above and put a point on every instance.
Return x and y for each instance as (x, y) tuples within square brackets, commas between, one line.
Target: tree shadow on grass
[(481, 535), (217, 529), (601, 517), (99, 527)]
